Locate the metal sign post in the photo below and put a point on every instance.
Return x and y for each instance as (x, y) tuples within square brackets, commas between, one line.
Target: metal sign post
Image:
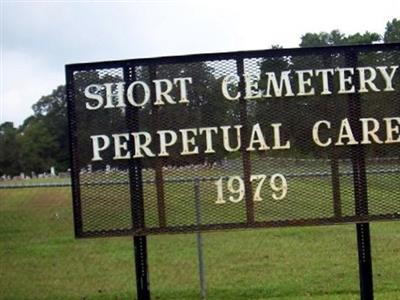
[(142, 274), (365, 263), (137, 202), (360, 190)]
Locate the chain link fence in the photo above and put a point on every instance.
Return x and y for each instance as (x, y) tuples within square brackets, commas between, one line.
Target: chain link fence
[(41, 259)]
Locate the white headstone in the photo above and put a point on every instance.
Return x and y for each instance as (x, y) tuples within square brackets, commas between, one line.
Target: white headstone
[(52, 172)]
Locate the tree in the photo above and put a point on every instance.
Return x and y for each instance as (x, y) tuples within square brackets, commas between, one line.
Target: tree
[(51, 114), (392, 31), (39, 146), (9, 149), (336, 38), (40, 142)]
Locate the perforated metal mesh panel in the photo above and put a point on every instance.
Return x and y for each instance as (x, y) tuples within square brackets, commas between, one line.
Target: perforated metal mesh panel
[(206, 162)]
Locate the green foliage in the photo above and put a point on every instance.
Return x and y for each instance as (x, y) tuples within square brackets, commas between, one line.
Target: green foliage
[(40, 142), (39, 147), (51, 111), (336, 38), (322, 39), (392, 32), (9, 145)]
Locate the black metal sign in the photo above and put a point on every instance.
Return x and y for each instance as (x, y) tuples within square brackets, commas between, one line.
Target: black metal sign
[(286, 137)]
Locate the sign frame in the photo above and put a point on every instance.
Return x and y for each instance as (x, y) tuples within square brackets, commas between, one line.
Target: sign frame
[(138, 227), (361, 219)]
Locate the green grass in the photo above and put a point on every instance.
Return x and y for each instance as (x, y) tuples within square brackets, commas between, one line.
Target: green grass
[(307, 198), (40, 259), (34, 181)]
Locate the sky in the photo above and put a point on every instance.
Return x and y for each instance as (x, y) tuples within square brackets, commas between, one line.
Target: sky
[(39, 37)]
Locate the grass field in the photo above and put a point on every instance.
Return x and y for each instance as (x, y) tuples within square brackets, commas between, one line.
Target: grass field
[(40, 259)]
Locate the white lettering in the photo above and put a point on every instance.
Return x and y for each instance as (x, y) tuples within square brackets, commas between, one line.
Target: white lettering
[(96, 145), (131, 99), (315, 134), (164, 143), (388, 77), (182, 87), (366, 132), (225, 84), (277, 138), (364, 81), (251, 83), (344, 79), (226, 139), (110, 95), (392, 129), (121, 145), (160, 93), (304, 83), (94, 95), (186, 141), (139, 146), (278, 89), (325, 81), (209, 143), (257, 137), (345, 133)]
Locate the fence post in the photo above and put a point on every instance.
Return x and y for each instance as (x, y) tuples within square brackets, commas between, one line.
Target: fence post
[(199, 239)]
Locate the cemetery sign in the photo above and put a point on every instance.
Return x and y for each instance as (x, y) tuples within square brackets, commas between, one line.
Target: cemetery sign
[(283, 137)]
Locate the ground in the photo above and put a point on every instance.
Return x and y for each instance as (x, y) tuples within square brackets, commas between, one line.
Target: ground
[(41, 259)]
